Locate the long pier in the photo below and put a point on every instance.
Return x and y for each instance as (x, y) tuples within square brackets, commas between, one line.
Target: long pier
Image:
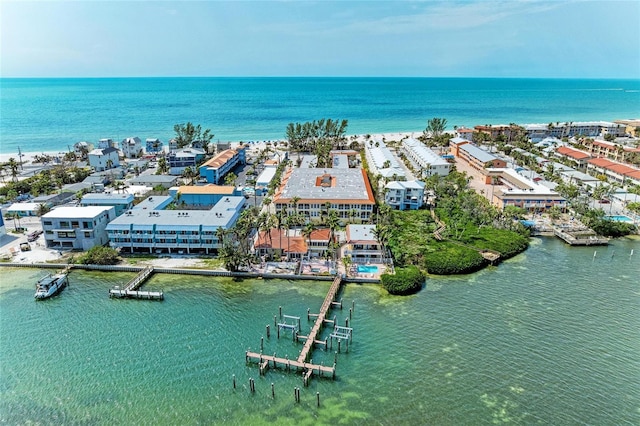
[(265, 361), (131, 289), (320, 319)]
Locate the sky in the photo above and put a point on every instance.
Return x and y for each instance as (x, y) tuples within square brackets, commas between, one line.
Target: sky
[(547, 39)]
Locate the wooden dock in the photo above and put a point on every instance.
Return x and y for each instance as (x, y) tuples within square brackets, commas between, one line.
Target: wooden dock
[(580, 237), (130, 291), (267, 361), (320, 319), (309, 369)]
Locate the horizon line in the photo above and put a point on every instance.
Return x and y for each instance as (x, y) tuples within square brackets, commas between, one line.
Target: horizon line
[(316, 76)]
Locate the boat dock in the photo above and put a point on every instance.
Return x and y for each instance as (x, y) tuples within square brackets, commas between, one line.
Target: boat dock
[(130, 291), (266, 361), (580, 237)]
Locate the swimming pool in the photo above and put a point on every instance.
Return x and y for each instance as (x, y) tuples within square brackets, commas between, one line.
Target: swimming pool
[(619, 218), (367, 269)]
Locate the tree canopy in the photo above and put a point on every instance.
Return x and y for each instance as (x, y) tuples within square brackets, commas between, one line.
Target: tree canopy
[(188, 133)]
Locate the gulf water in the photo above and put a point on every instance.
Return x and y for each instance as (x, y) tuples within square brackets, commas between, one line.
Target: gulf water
[(548, 337), (49, 115)]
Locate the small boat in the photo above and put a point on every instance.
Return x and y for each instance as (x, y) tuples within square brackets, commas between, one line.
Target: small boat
[(50, 285)]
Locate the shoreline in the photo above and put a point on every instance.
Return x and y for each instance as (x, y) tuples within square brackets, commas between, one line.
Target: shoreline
[(29, 156)]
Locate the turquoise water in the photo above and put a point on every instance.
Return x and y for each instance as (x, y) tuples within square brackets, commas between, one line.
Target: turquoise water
[(43, 115), (619, 218), (549, 337), (367, 269)]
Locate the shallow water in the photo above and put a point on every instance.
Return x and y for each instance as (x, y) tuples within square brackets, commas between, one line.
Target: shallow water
[(548, 337)]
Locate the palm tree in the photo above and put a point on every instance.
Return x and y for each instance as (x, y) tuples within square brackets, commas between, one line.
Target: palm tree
[(13, 166), (43, 209), (163, 165), (189, 174), (308, 229), (333, 221), (109, 163)]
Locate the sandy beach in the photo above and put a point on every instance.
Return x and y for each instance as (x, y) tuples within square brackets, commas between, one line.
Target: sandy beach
[(29, 157)]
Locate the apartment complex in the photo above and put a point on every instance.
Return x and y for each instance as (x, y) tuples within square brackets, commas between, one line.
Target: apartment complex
[(151, 229), (317, 191), (512, 189), (381, 162), (474, 156), (428, 162), (181, 159), (120, 202), (216, 168), (616, 172)]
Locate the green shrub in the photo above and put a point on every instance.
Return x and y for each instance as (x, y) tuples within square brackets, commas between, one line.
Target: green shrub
[(405, 281), (450, 258), (100, 255)]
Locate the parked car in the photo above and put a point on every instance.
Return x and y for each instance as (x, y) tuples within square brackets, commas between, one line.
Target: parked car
[(34, 235), (604, 201)]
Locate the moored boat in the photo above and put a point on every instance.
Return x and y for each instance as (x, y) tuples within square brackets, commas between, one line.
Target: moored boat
[(50, 285)]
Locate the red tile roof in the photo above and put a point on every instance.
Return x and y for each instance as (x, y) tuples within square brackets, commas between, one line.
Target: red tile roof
[(573, 153)]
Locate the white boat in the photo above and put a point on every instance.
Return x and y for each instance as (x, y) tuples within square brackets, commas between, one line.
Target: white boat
[(50, 285)]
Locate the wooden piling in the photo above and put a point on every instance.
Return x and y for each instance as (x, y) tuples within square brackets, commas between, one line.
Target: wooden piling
[(273, 391), (268, 331), (318, 398), (234, 381), (262, 343)]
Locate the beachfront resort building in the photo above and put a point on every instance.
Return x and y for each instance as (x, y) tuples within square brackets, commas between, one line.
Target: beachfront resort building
[(363, 245), (77, 228), (102, 159), (537, 132), (508, 188), (120, 202), (153, 146), (131, 147), (181, 159), (474, 156), (150, 228), (408, 195), (427, 162), (316, 191), (216, 168), (381, 162)]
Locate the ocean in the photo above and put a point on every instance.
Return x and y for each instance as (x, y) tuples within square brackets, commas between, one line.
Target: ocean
[(548, 337), (50, 115)]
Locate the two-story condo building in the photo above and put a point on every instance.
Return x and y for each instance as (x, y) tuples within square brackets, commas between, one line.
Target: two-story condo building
[(620, 173), (382, 162), (148, 228), (426, 161), (120, 202), (404, 195), (317, 191), (474, 156), (82, 149), (217, 167), (181, 159), (512, 189), (102, 159), (577, 157), (77, 228)]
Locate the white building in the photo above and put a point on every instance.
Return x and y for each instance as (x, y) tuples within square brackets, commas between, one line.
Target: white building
[(131, 147), (404, 195), (102, 159), (425, 159), (120, 202), (77, 228), (150, 229), (382, 162)]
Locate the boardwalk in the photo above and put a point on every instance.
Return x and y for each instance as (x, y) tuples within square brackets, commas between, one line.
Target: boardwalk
[(580, 237), (266, 361)]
